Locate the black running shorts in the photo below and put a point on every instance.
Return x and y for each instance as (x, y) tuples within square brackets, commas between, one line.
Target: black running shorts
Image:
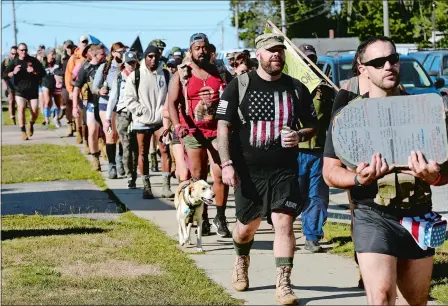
[(377, 232), (257, 196)]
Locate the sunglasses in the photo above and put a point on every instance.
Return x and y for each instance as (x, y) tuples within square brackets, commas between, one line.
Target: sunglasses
[(379, 62), (26, 50), (121, 51), (85, 41), (152, 56)]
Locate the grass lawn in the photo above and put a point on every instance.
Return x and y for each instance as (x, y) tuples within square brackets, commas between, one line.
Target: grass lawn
[(44, 162), (6, 120), (49, 260), (339, 234)]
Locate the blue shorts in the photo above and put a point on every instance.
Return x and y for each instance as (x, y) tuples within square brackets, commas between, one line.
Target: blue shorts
[(40, 89), (90, 107), (103, 107)]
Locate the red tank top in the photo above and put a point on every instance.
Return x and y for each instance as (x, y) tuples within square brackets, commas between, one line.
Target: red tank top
[(202, 102)]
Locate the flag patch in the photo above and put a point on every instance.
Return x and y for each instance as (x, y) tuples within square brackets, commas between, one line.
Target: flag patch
[(222, 107)]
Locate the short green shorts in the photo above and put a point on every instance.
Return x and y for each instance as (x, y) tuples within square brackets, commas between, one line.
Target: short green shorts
[(192, 142)]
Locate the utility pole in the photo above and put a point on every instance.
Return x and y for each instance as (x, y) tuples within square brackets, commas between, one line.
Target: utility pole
[(14, 22), (386, 18), (237, 25), (282, 6), (433, 25)]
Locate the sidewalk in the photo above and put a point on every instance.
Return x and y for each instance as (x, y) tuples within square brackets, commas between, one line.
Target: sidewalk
[(319, 279)]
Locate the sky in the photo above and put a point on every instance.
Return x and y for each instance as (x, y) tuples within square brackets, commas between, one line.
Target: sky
[(111, 21)]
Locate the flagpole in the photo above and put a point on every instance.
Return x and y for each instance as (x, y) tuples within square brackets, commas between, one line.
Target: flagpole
[(303, 55)]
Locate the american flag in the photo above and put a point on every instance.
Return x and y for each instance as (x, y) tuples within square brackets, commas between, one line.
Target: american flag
[(269, 112), (416, 226)]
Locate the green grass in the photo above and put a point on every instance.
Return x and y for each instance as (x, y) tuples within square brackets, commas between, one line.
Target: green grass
[(44, 162), (6, 120), (339, 235), (48, 260)]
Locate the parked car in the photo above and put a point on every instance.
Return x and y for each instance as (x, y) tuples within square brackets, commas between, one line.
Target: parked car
[(412, 74), (436, 64), (421, 56)]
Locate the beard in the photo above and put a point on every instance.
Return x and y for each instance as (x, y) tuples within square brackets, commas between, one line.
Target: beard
[(388, 85), (202, 61), (270, 69)]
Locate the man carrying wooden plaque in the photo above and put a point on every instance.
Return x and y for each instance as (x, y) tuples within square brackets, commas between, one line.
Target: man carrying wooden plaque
[(390, 252)]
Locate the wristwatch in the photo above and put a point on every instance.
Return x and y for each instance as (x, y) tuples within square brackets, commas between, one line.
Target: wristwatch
[(357, 183), (301, 136), (228, 163)]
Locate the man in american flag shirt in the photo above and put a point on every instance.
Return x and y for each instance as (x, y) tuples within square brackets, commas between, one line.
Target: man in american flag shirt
[(254, 162)]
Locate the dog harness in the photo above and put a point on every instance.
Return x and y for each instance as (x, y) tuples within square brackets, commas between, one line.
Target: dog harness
[(191, 206)]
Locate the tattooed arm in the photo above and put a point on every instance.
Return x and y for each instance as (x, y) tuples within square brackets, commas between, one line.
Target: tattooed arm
[(224, 130), (229, 175)]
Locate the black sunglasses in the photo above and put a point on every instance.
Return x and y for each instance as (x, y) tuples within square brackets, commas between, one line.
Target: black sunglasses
[(121, 51), (85, 41), (379, 62), (152, 56), (26, 50)]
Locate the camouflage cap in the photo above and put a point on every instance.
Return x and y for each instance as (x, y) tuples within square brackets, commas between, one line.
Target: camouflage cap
[(158, 43), (269, 40)]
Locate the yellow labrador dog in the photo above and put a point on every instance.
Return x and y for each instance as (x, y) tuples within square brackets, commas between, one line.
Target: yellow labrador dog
[(189, 202)]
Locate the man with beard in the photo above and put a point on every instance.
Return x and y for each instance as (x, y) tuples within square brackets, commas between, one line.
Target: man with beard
[(387, 253), (196, 87), (260, 162), (313, 189)]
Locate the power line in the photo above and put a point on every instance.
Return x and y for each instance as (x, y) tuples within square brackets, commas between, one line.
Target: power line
[(127, 8)]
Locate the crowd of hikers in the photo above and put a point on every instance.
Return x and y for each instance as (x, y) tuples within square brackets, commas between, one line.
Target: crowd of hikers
[(246, 124)]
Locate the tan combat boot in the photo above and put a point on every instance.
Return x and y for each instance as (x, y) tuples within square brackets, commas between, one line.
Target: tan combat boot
[(24, 136), (283, 292), (30, 129), (70, 129), (240, 275), (96, 165)]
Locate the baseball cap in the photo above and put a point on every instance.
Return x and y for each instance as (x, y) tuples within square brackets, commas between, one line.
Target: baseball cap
[(307, 50), (198, 37), (82, 38), (174, 62), (269, 40), (158, 43), (130, 57)]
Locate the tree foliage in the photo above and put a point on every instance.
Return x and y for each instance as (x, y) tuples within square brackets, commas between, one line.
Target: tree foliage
[(410, 21)]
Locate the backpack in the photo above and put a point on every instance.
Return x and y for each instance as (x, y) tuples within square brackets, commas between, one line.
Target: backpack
[(185, 74), (137, 78)]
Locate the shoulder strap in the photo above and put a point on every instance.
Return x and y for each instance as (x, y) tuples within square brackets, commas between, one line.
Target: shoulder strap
[(137, 80), (167, 76), (353, 85), (185, 73), (119, 79), (243, 83)]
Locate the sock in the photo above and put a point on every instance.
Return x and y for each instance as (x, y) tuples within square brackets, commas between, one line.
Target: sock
[(166, 174), (220, 211), (22, 129), (111, 149), (242, 249), (284, 261), (97, 154)]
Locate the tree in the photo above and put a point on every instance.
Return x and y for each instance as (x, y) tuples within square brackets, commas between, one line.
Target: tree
[(252, 18)]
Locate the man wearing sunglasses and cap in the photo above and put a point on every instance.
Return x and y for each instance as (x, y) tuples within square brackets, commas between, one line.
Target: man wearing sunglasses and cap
[(146, 90), (388, 255), (196, 87), (258, 140)]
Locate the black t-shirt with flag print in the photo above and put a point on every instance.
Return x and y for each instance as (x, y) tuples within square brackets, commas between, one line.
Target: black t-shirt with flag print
[(268, 106)]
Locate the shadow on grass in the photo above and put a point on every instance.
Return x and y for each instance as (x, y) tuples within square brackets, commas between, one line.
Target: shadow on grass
[(338, 241), (13, 234)]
